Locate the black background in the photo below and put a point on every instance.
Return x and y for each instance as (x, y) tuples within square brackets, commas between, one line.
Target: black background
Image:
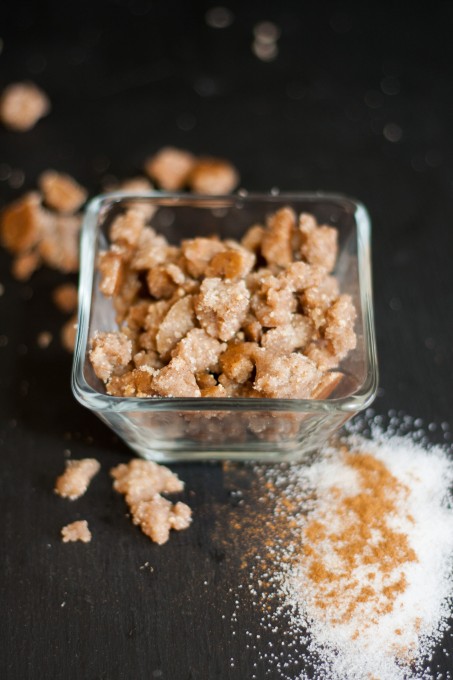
[(126, 78)]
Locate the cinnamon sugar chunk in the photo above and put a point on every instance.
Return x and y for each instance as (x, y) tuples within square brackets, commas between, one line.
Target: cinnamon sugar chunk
[(65, 297), (142, 482), (164, 279), (176, 380), (126, 228), (151, 249), (238, 362), (276, 245), (198, 253), (21, 223), (170, 168), (319, 246), (76, 478), (61, 192), (158, 516), (290, 376), (232, 264), (199, 350), (221, 307), (111, 268), (213, 176), (289, 337), (274, 303), (22, 105), (59, 245), (76, 531), (339, 330), (316, 299), (253, 238), (179, 320), (110, 353)]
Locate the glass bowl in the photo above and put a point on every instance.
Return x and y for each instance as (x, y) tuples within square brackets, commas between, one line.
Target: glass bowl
[(185, 429)]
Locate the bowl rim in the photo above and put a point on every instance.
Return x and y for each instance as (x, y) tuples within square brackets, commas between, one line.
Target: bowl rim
[(99, 402)]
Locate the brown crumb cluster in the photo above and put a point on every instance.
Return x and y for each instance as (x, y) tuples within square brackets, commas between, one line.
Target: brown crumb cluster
[(22, 105), (174, 169), (76, 478), (142, 482), (76, 531), (37, 235), (219, 318)]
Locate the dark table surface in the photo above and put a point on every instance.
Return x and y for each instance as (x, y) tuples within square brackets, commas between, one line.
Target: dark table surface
[(359, 100)]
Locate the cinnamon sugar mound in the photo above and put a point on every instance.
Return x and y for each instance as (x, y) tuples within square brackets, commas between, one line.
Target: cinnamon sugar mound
[(22, 105), (142, 482), (76, 531), (75, 480), (219, 318), (350, 557)]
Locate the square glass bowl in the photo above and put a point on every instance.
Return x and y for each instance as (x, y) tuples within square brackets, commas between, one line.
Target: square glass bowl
[(177, 429)]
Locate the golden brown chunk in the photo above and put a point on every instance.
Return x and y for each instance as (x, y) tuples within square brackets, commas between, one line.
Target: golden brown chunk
[(199, 350), (68, 333), (299, 275), (76, 531), (25, 264), (22, 105), (126, 228), (65, 297), (176, 324), (213, 176), (276, 244), (21, 223), (148, 358), (198, 252), (164, 279), (76, 478), (61, 192), (110, 353), (176, 380), (232, 264), (170, 168), (282, 376), (138, 185), (238, 362), (319, 246), (221, 307), (137, 315), (111, 268), (214, 392), (253, 330)]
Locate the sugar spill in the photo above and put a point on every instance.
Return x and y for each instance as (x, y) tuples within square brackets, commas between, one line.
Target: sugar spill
[(348, 561)]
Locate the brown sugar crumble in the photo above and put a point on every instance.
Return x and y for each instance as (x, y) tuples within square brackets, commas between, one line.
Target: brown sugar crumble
[(22, 105), (142, 482), (76, 531), (219, 318), (76, 478), (65, 297), (61, 192)]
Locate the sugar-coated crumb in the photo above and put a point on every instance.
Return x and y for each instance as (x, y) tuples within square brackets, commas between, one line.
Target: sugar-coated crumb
[(76, 531), (22, 105), (76, 478), (61, 192), (65, 297), (142, 482), (170, 168), (213, 176)]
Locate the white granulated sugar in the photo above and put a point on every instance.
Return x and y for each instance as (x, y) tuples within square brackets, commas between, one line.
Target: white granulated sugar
[(390, 605)]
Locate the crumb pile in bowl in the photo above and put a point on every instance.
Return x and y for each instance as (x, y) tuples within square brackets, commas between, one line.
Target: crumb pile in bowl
[(263, 317)]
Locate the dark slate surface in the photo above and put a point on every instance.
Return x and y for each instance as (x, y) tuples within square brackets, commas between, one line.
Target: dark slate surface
[(125, 78)]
